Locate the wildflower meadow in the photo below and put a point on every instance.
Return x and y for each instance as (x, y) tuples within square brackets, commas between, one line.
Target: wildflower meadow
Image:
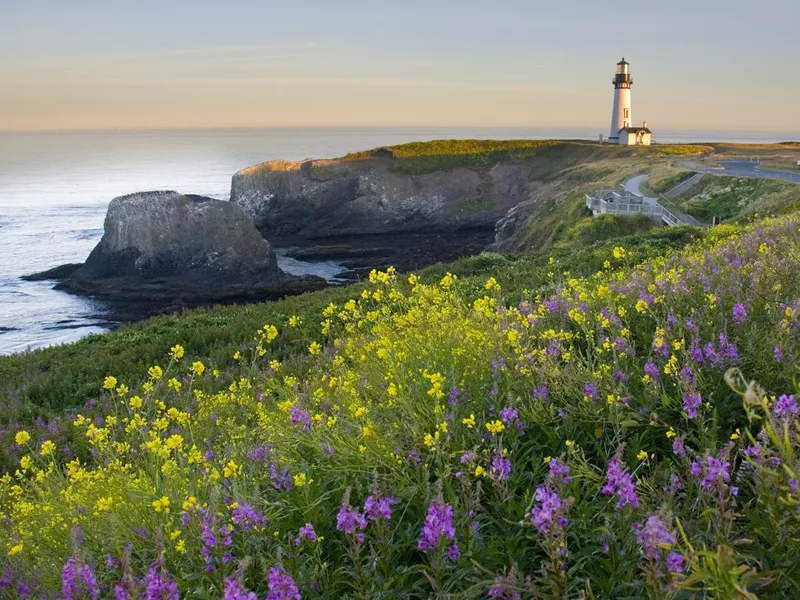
[(630, 434)]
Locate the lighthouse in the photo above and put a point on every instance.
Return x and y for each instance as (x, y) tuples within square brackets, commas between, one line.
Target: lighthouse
[(621, 130), (621, 113)]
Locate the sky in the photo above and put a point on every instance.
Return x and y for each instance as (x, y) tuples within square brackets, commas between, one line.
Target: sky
[(154, 64)]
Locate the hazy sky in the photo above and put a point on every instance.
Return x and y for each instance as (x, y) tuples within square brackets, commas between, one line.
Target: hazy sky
[(702, 64)]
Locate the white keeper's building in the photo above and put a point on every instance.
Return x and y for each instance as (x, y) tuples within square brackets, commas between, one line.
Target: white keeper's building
[(622, 132)]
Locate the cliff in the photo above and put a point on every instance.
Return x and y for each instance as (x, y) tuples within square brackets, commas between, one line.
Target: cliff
[(320, 198)]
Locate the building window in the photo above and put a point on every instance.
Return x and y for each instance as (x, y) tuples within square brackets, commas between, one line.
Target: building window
[(627, 113)]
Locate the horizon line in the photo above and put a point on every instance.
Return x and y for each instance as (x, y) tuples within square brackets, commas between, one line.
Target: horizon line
[(600, 129)]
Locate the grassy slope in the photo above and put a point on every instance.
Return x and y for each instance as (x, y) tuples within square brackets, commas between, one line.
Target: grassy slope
[(427, 344), (52, 379), (66, 376)]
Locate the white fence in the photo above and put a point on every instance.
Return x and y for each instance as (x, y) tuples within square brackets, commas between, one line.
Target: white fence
[(627, 203)]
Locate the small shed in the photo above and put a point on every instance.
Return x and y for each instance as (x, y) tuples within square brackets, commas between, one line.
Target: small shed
[(635, 136)]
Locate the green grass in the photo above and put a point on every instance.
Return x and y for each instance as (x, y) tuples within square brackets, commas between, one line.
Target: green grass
[(726, 197), (50, 380)]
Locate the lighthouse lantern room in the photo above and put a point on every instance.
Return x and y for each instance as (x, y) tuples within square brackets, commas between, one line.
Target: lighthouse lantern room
[(622, 132)]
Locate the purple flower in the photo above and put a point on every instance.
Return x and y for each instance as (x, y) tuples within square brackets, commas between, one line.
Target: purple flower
[(350, 520), (679, 448), (713, 473), (778, 353), (300, 416), (77, 578), (159, 586), (589, 392), (739, 313), (280, 479), (281, 585), (654, 536), (306, 534), (503, 588), (675, 562), (248, 517), (620, 482), (453, 553), (652, 370), (500, 469), (559, 472), (438, 525), (235, 591), (508, 415), (691, 402), (467, 457), (696, 353), (549, 513), (379, 507), (786, 407), (540, 393)]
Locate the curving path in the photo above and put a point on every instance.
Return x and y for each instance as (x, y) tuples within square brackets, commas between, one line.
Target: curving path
[(743, 168)]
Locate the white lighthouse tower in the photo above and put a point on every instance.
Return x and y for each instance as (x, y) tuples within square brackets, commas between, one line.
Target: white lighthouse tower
[(621, 113), (622, 132)]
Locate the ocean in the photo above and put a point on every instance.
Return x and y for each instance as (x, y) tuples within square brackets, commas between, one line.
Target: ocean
[(55, 188)]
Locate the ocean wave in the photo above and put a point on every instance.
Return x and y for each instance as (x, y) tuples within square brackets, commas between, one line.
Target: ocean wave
[(87, 234)]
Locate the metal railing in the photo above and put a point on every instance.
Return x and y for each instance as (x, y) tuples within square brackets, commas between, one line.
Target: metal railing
[(599, 206)]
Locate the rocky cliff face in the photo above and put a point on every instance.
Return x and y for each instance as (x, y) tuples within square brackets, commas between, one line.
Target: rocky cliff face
[(323, 198), (199, 240)]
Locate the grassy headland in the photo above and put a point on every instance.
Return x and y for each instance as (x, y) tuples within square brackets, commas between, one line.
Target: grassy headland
[(614, 415)]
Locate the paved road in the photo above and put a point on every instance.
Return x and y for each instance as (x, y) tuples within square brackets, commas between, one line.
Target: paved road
[(634, 183), (744, 168)]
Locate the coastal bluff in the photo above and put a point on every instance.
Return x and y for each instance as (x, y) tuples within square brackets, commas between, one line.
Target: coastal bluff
[(371, 195)]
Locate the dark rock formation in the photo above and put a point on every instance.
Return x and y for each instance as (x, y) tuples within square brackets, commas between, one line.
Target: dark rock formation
[(165, 247), (165, 234), (325, 198)]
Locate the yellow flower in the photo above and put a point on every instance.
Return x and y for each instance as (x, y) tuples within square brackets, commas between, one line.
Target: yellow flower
[(162, 504), (198, 368), (469, 421), (547, 459), (109, 383), (495, 427), (174, 384), (155, 372), (25, 462), (413, 280), (294, 321), (48, 447), (641, 306), (491, 284), (642, 455), (314, 348), (189, 504), (236, 355), (231, 470), (22, 437), (176, 352), (671, 433), (619, 252), (135, 403), (300, 480), (480, 471), (448, 280), (15, 549), (735, 435), (569, 443)]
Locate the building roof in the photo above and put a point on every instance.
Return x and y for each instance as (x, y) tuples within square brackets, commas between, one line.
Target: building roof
[(636, 129), (623, 62)]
